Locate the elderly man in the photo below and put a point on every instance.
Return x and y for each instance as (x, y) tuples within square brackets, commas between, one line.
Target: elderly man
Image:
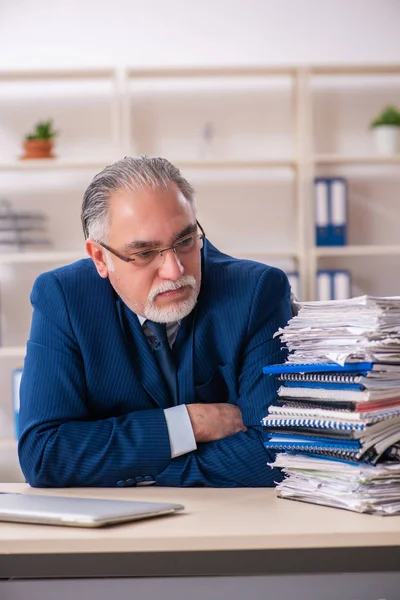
[(144, 362)]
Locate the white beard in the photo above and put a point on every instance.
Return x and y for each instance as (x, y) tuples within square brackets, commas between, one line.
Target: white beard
[(178, 312)]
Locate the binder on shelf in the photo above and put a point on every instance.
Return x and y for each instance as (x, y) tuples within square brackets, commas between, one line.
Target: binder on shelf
[(294, 282), (321, 205), (330, 198), (15, 385), (341, 284), (324, 285), (338, 211), (333, 284)]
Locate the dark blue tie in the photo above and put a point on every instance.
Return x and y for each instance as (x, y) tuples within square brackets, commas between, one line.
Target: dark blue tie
[(163, 355)]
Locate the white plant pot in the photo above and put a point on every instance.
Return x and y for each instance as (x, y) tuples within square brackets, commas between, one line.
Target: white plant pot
[(387, 139)]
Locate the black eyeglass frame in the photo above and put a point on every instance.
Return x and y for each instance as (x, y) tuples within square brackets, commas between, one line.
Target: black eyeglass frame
[(131, 259)]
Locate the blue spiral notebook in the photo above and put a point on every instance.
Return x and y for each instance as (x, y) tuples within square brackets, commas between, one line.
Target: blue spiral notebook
[(360, 367), (345, 449)]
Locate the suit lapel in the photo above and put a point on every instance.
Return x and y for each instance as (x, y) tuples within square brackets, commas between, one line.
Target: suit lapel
[(142, 356)]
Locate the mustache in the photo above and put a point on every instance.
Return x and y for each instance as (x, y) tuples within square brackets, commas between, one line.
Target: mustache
[(171, 286)]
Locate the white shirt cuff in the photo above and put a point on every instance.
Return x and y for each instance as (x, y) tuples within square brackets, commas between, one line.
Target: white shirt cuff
[(180, 431)]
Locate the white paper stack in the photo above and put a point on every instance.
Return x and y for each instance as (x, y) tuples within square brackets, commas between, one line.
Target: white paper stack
[(362, 328), (361, 488)]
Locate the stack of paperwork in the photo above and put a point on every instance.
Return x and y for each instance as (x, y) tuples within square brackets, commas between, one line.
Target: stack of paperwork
[(336, 422)]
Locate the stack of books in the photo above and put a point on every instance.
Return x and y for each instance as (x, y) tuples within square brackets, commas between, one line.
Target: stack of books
[(21, 230), (336, 422)]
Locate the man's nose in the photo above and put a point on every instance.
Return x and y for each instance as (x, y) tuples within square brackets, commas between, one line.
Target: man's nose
[(171, 267)]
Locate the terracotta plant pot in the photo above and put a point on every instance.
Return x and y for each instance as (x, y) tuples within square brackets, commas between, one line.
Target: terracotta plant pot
[(38, 149)]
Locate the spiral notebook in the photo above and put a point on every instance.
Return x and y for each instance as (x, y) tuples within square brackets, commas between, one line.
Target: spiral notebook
[(339, 427), (304, 411), (339, 394), (344, 449), (358, 367), (369, 446), (349, 381), (350, 405)]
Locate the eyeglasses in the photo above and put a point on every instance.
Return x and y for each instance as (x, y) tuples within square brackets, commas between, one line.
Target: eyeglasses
[(146, 257)]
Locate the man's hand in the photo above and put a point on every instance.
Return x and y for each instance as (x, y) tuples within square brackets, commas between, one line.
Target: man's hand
[(212, 422)]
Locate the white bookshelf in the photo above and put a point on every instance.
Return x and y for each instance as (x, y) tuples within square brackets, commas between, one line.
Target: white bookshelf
[(302, 163)]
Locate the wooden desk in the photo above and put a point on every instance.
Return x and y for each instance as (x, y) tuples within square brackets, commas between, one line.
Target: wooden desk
[(236, 543), (221, 532)]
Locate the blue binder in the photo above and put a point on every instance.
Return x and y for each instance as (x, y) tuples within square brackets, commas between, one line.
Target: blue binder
[(330, 202), (338, 211), (333, 284), (321, 207), (294, 282), (15, 385)]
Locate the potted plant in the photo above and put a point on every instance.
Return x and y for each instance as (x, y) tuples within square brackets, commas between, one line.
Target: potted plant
[(39, 144), (386, 129)]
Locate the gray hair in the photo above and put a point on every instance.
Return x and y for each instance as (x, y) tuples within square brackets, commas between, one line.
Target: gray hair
[(132, 173)]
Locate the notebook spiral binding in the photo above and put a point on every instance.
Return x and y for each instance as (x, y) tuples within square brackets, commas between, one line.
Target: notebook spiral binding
[(322, 423), (283, 402), (346, 453), (321, 377)]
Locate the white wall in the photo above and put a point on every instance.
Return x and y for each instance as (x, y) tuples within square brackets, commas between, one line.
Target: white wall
[(184, 32)]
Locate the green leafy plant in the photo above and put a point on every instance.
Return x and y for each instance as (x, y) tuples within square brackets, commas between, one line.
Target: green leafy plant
[(389, 116), (43, 131)]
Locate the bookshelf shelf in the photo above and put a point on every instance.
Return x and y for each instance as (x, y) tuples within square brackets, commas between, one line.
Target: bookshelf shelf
[(356, 160), (237, 164), (376, 250), (56, 74), (362, 69), (277, 254), (40, 257), (54, 164), (200, 72)]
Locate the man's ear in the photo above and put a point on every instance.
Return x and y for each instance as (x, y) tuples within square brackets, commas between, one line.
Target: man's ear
[(96, 254)]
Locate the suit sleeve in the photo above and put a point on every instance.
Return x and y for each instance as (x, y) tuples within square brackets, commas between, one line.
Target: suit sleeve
[(241, 460), (62, 443)]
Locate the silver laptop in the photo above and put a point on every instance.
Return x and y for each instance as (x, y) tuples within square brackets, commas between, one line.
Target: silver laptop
[(78, 512)]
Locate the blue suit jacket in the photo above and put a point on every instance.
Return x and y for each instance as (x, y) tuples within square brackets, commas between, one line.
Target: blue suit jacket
[(92, 396)]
